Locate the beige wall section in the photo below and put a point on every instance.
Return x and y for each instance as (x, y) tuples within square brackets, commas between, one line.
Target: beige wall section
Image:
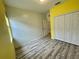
[(6, 44), (26, 25)]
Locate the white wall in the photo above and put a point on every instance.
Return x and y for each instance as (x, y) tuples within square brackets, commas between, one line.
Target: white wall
[(26, 25)]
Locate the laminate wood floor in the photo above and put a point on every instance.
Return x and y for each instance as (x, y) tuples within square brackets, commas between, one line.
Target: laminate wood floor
[(46, 48)]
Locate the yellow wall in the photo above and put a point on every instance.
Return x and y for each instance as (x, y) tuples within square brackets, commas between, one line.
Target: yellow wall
[(6, 44), (67, 6)]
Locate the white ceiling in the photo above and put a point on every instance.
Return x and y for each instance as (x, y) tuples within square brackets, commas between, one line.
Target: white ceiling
[(34, 5)]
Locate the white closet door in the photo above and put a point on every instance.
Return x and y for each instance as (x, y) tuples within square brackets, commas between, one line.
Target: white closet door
[(59, 27), (67, 28)]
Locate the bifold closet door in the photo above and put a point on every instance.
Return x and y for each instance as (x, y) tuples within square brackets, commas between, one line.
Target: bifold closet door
[(67, 28)]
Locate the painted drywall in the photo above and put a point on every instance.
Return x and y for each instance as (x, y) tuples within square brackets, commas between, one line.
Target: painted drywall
[(67, 6), (26, 25), (6, 44)]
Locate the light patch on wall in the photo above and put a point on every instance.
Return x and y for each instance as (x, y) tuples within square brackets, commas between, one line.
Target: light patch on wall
[(42, 0), (25, 16), (7, 22)]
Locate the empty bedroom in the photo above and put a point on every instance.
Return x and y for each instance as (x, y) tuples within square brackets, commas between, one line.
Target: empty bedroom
[(39, 29)]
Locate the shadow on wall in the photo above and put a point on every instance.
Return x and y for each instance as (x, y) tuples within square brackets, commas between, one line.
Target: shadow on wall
[(16, 44)]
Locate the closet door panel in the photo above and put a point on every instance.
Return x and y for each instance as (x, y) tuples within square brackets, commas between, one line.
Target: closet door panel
[(78, 28), (75, 30), (59, 27), (74, 25), (68, 28)]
